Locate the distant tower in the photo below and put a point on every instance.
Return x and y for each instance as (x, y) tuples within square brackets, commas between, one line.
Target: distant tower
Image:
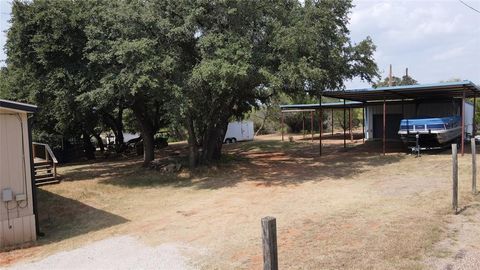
[(390, 76)]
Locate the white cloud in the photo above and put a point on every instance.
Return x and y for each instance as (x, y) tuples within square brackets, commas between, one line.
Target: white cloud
[(436, 40), (449, 54)]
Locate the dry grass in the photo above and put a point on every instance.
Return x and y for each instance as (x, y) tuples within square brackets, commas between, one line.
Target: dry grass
[(348, 209)]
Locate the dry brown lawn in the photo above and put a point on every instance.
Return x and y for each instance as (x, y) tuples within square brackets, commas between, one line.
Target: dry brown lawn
[(349, 209)]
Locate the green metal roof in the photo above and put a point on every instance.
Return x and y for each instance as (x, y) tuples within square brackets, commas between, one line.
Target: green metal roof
[(420, 91), (330, 105)]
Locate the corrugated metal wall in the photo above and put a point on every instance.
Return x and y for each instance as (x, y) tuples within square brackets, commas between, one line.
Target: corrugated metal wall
[(430, 109), (17, 222)]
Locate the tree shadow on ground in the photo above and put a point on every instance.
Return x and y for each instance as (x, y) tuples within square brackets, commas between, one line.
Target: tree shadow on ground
[(117, 167), (269, 163), (339, 136), (93, 170), (62, 218)]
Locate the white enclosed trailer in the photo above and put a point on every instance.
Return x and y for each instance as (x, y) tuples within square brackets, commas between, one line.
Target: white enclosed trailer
[(239, 131)]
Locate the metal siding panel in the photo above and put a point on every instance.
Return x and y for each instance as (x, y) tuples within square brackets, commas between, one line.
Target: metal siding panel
[(3, 165), (8, 238), (33, 227), (15, 156), (12, 175), (2, 237), (18, 230), (27, 229), (27, 211)]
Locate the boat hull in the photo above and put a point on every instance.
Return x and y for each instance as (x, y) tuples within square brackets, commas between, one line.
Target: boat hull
[(430, 131), (439, 137)]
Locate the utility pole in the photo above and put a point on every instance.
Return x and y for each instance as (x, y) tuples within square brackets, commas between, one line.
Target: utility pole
[(390, 76)]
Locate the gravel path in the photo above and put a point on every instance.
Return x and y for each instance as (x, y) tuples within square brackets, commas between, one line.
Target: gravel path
[(462, 244), (124, 252)]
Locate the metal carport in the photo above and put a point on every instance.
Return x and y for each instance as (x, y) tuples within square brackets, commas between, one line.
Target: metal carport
[(361, 98)]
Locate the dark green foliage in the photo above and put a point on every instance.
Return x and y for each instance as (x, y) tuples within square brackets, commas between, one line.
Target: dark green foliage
[(184, 65), (46, 66), (405, 80), (248, 53), (130, 44)]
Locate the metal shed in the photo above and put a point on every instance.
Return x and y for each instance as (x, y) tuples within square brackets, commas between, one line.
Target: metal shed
[(383, 107), (18, 222)]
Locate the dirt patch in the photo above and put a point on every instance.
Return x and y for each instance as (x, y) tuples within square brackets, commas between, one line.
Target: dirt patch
[(348, 209), (460, 244)]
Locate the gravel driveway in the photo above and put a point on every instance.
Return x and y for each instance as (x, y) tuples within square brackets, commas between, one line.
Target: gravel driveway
[(124, 252)]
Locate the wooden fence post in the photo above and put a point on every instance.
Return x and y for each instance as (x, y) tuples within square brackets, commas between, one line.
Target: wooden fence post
[(455, 178), (269, 239), (474, 166)]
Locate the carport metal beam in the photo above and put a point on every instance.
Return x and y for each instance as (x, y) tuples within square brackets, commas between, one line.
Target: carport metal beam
[(311, 123), (402, 96), (320, 124), (344, 125), (424, 91), (303, 124), (474, 127), (463, 123), (332, 121), (384, 123), (350, 124), (363, 124)]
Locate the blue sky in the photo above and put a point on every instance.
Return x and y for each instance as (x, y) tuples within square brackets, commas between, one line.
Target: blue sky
[(436, 39)]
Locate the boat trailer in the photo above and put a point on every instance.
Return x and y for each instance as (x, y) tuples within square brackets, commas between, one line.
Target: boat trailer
[(418, 148)]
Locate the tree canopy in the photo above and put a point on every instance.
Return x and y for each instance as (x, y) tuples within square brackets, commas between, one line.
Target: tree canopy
[(190, 64), (396, 81)]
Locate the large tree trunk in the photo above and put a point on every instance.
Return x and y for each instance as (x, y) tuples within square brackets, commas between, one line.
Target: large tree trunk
[(88, 147), (261, 126), (213, 142), (146, 127), (116, 125), (148, 146), (192, 144), (217, 149), (119, 140)]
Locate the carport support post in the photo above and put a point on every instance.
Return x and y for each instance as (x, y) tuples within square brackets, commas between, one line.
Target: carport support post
[(350, 123), (303, 124), (455, 178), (384, 123), (474, 166), (332, 121), (344, 126), (320, 123), (311, 123), (463, 123), (269, 240), (474, 126), (363, 122), (281, 127)]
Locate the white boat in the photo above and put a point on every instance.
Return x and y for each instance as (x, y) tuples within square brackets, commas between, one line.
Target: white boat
[(436, 130)]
